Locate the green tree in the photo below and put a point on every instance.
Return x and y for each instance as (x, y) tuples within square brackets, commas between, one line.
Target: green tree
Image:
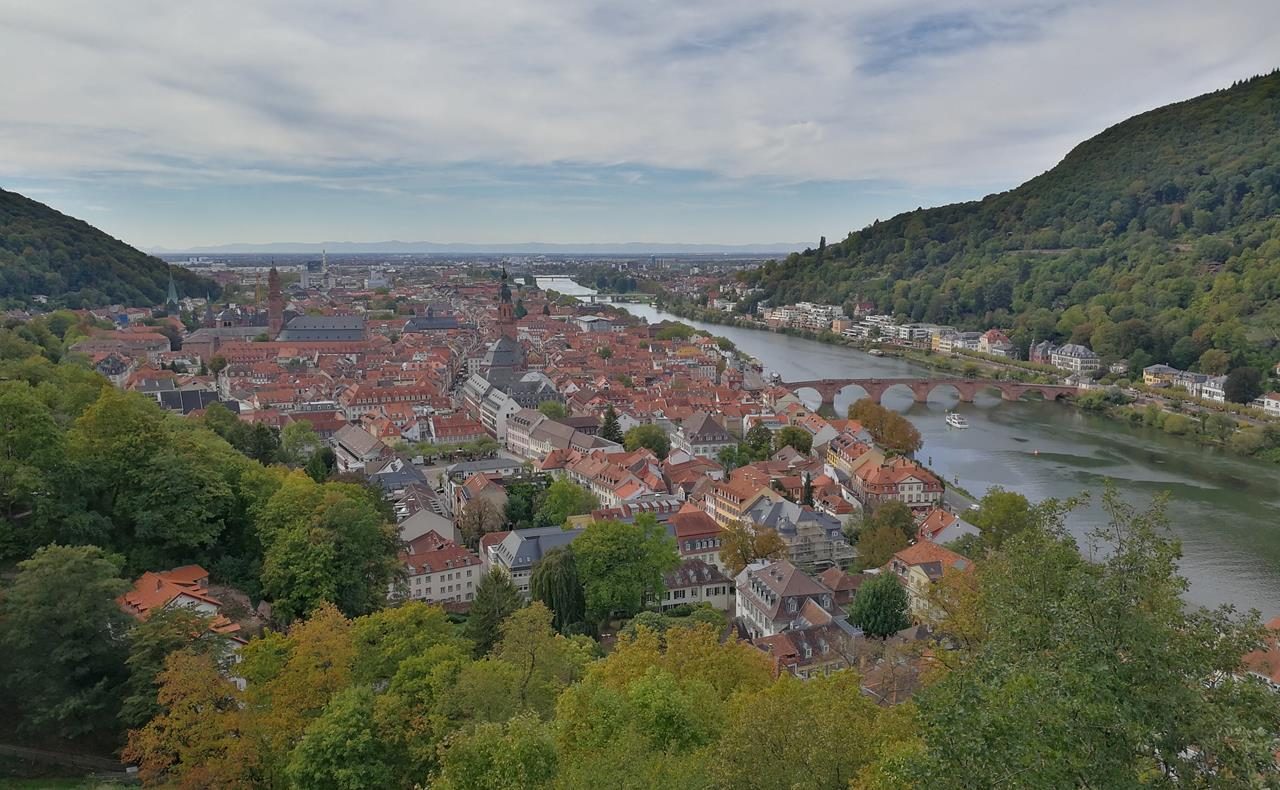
[(496, 599), (325, 543), (1215, 362), (1220, 425), (1002, 514), (621, 564), (758, 444), (880, 607), (64, 645), (553, 409), (1110, 663), (555, 582), (545, 662), (339, 749), (1243, 385), (893, 514), (604, 352), (877, 546), (523, 499), (298, 442), (610, 428), (321, 464), (797, 438), (562, 499), (521, 310), (651, 437), (513, 755)]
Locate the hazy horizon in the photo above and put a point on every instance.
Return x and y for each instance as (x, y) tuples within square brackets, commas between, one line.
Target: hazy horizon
[(578, 122)]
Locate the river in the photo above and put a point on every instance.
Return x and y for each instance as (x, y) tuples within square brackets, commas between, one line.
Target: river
[(1224, 509)]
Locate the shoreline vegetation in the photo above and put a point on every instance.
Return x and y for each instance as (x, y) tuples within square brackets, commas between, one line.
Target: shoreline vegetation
[(1237, 429)]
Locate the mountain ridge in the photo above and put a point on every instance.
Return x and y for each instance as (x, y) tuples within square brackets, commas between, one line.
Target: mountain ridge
[(44, 252), (1160, 235)]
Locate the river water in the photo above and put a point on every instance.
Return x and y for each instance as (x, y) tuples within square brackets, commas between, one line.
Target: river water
[(1224, 509)]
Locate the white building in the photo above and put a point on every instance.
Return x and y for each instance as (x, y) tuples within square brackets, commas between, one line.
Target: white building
[(1075, 358)]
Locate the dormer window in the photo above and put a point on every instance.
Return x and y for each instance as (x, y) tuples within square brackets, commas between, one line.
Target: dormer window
[(791, 604)]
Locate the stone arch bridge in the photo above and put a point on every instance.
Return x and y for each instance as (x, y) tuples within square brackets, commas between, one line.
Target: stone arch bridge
[(920, 388)]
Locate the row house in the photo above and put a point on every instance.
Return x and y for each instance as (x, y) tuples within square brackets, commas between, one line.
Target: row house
[(453, 429), (696, 582), (728, 501), (359, 398), (698, 536)]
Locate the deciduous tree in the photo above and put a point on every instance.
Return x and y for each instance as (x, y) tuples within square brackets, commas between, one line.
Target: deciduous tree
[(880, 607), (564, 498), (651, 437), (792, 436), (555, 583), (742, 544), (620, 564)]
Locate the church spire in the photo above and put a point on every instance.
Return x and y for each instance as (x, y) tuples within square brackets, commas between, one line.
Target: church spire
[(172, 298)]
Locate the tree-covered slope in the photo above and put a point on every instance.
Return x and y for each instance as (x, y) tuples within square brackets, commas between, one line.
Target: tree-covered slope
[(43, 251), (1162, 234)]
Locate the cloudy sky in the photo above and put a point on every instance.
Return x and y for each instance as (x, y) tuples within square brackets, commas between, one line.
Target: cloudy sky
[(728, 121)]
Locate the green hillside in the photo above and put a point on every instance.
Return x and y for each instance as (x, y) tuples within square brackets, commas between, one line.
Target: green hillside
[(43, 251), (1160, 235)]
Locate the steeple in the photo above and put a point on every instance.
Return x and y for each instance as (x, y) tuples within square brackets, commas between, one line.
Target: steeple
[(208, 310), (172, 298)]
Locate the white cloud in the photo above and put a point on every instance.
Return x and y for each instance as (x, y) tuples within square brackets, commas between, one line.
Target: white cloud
[(950, 93)]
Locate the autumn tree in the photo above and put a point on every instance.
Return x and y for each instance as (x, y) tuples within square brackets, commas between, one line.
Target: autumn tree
[(555, 582), (63, 639), (880, 607), (888, 429), (479, 517), (150, 642), (496, 598), (877, 546), (742, 543), (195, 740)]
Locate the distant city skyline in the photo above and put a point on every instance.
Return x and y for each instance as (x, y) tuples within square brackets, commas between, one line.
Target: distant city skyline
[(725, 122)]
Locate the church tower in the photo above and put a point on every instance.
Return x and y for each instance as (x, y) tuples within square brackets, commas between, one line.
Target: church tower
[(506, 310), (171, 300), (208, 310), (275, 304)]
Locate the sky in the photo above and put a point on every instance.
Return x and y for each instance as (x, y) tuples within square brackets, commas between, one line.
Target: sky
[(175, 125)]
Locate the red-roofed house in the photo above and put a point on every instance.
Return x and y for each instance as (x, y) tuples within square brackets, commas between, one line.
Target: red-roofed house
[(439, 570), (1264, 663), (185, 586)]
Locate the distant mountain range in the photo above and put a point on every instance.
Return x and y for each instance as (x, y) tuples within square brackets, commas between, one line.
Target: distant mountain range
[(525, 248)]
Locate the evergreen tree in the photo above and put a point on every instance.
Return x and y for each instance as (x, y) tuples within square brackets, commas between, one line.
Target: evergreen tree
[(806, 498), (496, 598), (610, 428)]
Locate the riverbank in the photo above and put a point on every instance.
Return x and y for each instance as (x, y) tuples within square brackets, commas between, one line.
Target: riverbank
[(1259, 442)]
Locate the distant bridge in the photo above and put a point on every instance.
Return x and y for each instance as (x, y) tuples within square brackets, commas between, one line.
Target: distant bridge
[(921, 388)]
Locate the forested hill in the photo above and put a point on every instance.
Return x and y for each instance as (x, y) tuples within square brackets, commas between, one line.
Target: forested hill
[(1161, 234), (43, 251)]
